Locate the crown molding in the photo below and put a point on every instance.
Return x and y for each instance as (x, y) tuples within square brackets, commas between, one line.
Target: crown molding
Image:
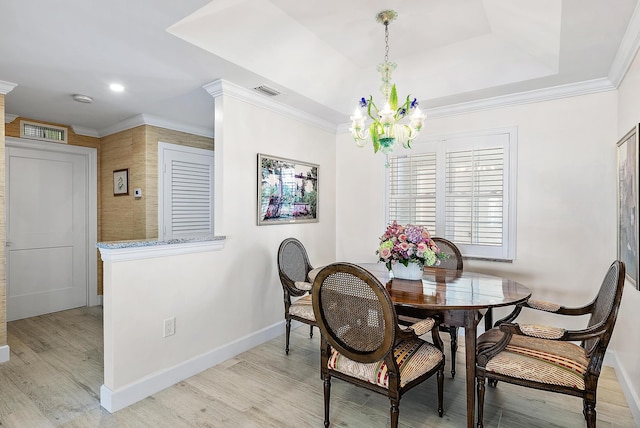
[(534, 96), (87, 132), (224, 87), (146, 119), (6, 87), (8, 118), (627, 49)]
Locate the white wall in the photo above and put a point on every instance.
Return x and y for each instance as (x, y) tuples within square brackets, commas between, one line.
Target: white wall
[(219, 297), (626, 341), (566, 193)]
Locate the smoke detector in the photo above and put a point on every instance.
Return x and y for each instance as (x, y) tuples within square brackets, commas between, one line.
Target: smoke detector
[(82, 98)]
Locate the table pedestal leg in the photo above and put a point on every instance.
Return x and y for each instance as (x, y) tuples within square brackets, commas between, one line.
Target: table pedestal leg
[(470, 332)]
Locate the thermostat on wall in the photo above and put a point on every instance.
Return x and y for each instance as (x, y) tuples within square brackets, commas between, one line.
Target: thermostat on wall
[(137, 193)]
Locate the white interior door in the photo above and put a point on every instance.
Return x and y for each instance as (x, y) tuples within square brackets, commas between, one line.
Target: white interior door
[(47, 222)]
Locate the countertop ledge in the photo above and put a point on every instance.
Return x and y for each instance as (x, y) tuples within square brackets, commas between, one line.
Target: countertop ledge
[(116, 251)]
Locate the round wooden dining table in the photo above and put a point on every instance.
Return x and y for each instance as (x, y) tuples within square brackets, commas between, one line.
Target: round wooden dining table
[(459, 298)]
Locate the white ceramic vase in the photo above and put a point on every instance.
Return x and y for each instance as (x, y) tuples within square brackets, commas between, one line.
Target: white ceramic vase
[(411, 271)]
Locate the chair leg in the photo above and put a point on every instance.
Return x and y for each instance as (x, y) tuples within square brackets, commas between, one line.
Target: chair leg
[(488, 319), (492, 382), (440, 377), (453, 331), (395, 411), (327, 395), (311, 331), (590, 413), (480, 385), (288, 328)]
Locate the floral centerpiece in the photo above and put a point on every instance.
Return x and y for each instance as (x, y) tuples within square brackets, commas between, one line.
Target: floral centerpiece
[(409, 244)]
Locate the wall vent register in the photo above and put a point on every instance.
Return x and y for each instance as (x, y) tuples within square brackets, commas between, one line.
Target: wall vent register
[(37, 131)]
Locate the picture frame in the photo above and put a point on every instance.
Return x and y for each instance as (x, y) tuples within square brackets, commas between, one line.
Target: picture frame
[(628, 249), (121, 182), (287, 191)]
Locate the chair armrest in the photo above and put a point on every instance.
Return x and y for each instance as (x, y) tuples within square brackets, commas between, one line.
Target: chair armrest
[(311, 275), (302, 285), (554, 308), (542, 331), (423, 327), (553, 333), (545, 306), (542, 305)]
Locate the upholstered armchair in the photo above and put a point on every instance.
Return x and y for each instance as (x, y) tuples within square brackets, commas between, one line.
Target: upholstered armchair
[(293, 268), (362, 342), (545, 357)]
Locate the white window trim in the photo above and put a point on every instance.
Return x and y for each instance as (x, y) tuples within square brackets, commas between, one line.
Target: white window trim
[(440, 144)]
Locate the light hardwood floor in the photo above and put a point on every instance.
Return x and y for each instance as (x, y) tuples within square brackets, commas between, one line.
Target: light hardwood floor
[(55, 372)]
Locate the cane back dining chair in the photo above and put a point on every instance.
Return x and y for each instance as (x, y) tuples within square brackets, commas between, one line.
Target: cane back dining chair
[(362, 342), (545, 358), (293, 268), (453, 262)]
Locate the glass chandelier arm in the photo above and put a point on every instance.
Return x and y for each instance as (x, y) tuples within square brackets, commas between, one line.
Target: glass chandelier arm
[(393, 98), (375, 136), (371, 106)]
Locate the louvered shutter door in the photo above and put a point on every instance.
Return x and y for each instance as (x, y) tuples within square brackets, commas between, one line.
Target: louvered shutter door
[(188, 194), (412, 189), (474, 196)]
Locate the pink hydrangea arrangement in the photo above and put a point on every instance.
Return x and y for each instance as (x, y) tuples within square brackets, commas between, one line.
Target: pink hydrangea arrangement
[(409, 243)]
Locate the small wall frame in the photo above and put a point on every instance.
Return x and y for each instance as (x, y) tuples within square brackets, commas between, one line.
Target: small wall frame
[(121, 182), (287, 191)]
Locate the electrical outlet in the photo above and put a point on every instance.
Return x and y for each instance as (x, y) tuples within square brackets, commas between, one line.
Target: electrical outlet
[(169, 327)]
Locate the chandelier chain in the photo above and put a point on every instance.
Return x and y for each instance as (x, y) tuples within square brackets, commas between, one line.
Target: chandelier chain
[(386, 41)]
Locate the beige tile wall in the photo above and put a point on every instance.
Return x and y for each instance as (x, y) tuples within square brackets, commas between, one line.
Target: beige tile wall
[(124, 217), (154, 136)]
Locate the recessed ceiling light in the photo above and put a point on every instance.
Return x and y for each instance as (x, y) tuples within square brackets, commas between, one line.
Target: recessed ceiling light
[(116, 87)]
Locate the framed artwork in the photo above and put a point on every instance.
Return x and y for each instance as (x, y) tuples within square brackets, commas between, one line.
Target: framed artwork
[(287, 191), (628, 250), (121, 182)]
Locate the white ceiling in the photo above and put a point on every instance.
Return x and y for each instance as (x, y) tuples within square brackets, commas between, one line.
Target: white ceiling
[(322, 58)]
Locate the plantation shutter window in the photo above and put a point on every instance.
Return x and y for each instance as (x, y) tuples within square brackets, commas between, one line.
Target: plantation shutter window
[(460, 188), (474, 196), (412, 189)]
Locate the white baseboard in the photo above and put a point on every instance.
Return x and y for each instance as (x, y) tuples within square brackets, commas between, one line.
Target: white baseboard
[(4, 353), (113, 401), (611, 359)]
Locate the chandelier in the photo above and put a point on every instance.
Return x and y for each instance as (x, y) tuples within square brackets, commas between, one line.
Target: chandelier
[(392, 124)]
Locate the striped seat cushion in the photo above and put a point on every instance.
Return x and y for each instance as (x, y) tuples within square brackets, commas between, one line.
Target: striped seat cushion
[(414, 358), (303, 308), (540, 360)]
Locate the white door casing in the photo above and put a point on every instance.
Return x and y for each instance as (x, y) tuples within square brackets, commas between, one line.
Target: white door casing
[(51, 217)]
